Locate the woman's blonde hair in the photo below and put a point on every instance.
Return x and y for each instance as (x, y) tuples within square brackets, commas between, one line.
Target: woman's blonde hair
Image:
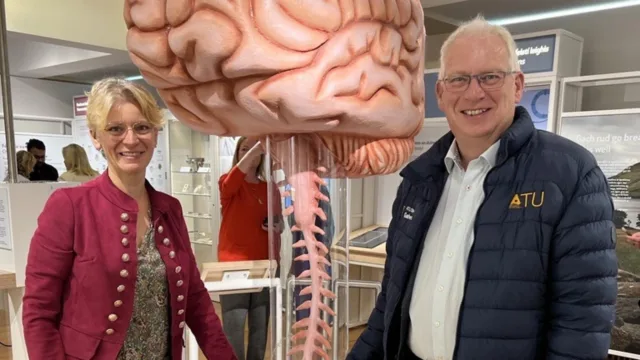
[(26, 162), (260, 171), (77, 161), (109, 92)]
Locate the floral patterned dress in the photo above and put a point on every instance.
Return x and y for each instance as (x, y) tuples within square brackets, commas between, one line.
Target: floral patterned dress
[(149, 334)]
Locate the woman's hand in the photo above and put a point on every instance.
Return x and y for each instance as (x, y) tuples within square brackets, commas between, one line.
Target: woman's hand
[(634, 239), (251, 158)]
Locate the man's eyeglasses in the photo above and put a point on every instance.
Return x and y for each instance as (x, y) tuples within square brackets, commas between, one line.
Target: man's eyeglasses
[(140, 129), (488, 81)]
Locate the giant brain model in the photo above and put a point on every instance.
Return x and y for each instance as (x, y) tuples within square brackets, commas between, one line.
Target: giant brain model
[(335, 85)]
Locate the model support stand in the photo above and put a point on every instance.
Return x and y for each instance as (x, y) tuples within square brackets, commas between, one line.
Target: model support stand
[(312, 246), (242, 277)]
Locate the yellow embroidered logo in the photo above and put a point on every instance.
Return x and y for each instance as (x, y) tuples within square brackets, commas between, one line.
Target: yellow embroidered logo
[(524, 200)]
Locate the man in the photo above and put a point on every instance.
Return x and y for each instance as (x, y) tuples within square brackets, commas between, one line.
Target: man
[(501, 244), (42, 171)]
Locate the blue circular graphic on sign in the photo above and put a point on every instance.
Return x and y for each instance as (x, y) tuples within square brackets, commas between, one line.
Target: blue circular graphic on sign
[(540, 116)]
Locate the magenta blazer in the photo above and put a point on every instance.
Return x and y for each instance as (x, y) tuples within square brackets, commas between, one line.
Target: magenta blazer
[(81, 275)]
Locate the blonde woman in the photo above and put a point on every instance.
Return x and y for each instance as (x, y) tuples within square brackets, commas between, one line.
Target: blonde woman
[(77, 164), (110, 272), (25, 161)]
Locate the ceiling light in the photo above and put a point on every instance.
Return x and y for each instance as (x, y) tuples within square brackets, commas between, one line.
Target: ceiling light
[(566, 12), (134, 78)]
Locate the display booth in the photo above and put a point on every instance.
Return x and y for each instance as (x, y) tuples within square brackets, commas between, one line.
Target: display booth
[(545, 58), (611, 133)]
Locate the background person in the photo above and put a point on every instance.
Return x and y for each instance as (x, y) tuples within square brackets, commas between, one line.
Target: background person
[(25, 163), (244, 237), (110, 271), (77, 163), (42, 171)]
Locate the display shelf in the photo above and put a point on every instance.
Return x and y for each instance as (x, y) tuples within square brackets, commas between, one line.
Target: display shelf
[(190, 155)]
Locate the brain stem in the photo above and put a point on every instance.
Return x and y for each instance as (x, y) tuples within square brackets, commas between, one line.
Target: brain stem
[(305, 190)]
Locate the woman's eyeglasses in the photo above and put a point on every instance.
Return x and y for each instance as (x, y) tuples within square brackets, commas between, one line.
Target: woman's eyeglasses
[(119, 130)]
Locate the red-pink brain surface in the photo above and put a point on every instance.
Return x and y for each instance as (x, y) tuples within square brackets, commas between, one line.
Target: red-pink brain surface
[(348, 72)]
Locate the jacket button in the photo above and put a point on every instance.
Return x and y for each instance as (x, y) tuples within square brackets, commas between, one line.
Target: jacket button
[(160, 229), (172, 254), (125, 242), (113, 317), (180, 297), (181, 311), (124, 229), (120, 288), (181, 324), (178, 269), (117, 303), (124, 273), (109, 332), (125, 257), (124, 217), (166, 242), (179, 283)]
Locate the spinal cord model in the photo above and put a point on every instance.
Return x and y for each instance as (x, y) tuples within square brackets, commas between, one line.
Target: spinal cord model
[(335, 85)]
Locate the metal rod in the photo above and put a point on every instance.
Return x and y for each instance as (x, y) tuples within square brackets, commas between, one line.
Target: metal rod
[(5, 80)]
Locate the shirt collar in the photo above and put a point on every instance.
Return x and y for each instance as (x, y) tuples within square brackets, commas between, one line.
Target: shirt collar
[(453, 156)]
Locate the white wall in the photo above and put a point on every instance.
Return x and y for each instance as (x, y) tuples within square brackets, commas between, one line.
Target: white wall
[(37, 97)]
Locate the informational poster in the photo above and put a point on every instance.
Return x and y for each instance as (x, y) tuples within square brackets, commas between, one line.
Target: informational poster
[(536, 101), (614, 140), (5, 220), (536, 54)]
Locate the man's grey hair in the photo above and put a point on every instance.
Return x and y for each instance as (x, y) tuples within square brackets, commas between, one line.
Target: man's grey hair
[(480, 26)]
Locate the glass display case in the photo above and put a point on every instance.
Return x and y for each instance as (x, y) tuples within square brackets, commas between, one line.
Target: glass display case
[(192, 181)]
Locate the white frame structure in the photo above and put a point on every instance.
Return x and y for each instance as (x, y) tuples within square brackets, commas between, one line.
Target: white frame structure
[(571, 91)]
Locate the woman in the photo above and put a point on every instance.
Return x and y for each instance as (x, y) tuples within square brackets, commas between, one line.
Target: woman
[(25, 164), (244, 237), (110, 272), (77, 164)]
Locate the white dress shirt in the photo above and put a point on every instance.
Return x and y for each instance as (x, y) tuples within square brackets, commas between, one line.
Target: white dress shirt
[(440, 279)]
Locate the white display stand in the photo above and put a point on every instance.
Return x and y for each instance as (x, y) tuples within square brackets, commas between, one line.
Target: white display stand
[(545, 58), (241, 277), (612, 135), (157, 171), (19, 205)]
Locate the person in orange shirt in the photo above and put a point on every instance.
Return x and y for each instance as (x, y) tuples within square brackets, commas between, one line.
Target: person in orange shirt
[(244, 237)]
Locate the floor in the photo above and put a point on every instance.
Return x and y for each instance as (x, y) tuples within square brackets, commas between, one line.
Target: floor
[(5, 337)]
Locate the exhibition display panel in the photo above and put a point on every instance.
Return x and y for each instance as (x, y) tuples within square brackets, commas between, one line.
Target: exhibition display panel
[(613, 137)]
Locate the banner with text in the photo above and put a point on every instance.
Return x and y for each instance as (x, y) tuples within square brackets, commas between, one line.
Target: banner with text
[(536, 54), (614, 140)]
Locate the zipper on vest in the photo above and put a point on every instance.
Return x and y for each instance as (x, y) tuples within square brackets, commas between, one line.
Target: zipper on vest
[(466, 279)]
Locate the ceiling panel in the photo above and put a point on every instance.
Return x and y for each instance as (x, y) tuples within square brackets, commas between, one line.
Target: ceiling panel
[(493, 9), (437, 27)]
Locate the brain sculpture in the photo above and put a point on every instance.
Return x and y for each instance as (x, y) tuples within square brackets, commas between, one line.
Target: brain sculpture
[(336, 85)]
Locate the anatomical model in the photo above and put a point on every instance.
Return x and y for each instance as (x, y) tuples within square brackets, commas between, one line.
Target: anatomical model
[(336, 86)]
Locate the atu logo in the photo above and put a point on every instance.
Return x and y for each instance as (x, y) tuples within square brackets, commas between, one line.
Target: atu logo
[(525, 200)]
